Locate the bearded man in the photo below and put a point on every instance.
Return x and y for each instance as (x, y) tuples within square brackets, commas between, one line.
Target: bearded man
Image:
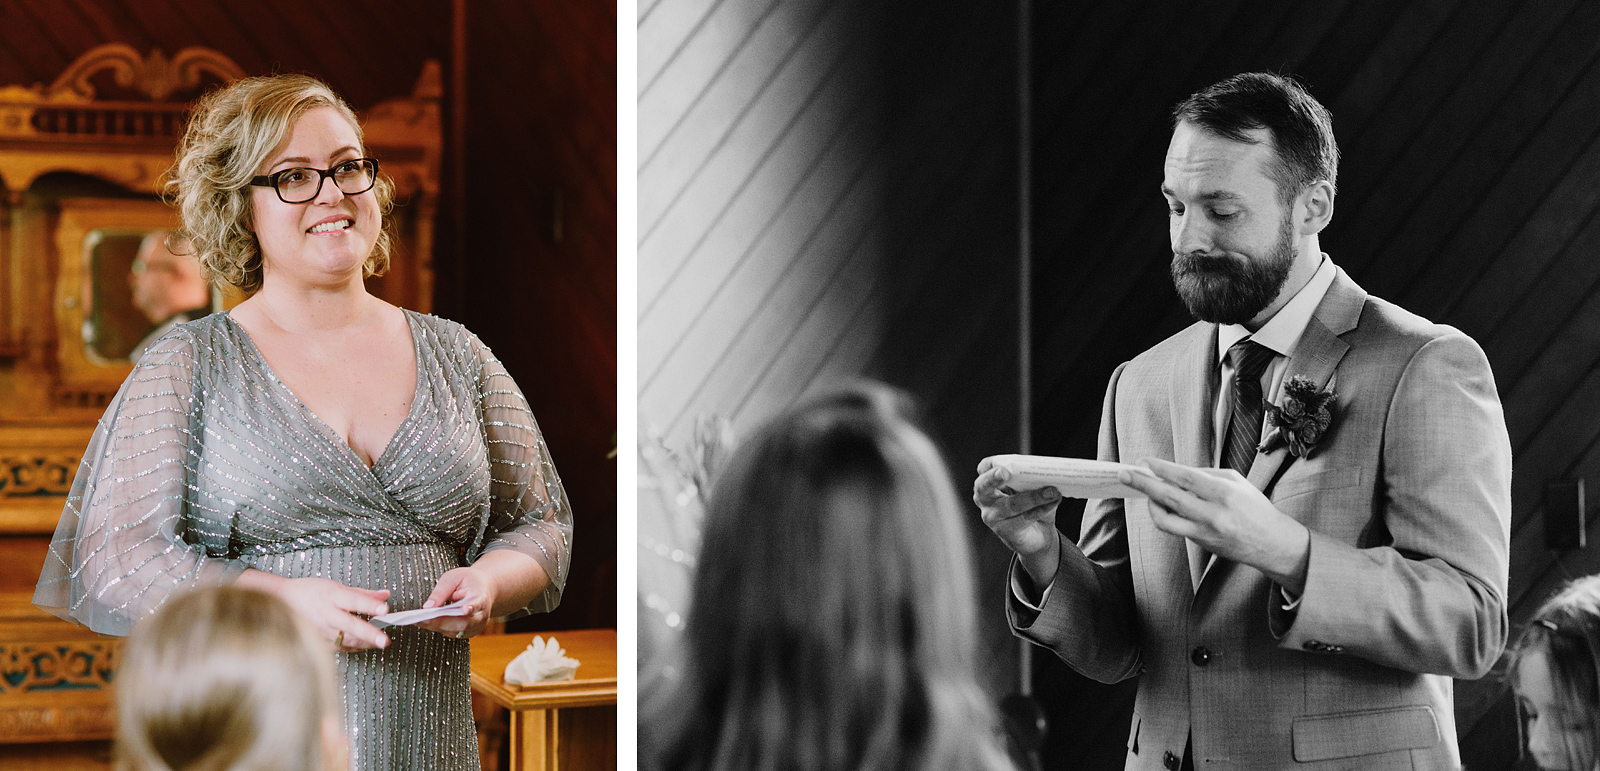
[(1324, 543), (166, 285)]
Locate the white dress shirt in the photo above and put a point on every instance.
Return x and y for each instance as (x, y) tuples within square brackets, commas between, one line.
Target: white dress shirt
[(1281, 334)]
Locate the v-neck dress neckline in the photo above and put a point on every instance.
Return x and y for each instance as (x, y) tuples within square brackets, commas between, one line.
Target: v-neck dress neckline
[(326, 431), (202, 467)]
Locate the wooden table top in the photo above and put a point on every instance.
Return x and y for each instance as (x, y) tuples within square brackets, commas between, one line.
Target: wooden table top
[(595, 684)]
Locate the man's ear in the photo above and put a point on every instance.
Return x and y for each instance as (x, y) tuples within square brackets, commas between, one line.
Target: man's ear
[(1317, 199)]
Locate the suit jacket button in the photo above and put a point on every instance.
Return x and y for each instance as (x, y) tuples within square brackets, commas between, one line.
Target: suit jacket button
[(1171, 761), (1200, 656)]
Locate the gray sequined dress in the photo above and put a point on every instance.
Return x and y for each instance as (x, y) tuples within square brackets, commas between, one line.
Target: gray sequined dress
[(206, 464)]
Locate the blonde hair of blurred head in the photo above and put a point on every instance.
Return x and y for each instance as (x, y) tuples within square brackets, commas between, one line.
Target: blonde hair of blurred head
[(227, 679), (231, 133)]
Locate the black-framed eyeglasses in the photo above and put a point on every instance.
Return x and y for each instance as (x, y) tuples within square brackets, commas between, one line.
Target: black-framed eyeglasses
[(299, 185)]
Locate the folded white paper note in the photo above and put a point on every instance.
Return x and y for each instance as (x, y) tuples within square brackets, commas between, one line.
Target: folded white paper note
[(1074, 477), (542, 662), (409, 617)]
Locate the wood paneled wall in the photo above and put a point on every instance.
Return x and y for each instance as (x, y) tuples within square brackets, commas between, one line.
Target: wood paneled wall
[(758, 191), (827, 190), (757, 197), (1471, 138), (532, 267)]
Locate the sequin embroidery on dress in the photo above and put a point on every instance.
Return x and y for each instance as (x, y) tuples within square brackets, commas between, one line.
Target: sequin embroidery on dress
[(206, 464)]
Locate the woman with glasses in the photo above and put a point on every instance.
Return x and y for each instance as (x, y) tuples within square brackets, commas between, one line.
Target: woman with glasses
[(315, 442)]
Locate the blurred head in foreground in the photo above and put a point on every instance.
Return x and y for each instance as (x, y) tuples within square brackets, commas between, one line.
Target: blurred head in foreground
[(227, 679), (831, 624), (1554, 672)]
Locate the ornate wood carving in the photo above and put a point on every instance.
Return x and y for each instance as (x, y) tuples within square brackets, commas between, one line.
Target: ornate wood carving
[(37, 465), (38, 723), (34, 474), (56, 680), (57, 666), (154, 75)]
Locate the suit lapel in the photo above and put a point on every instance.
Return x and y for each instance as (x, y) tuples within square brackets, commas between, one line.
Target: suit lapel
[(1315, 358), (1193, 395)]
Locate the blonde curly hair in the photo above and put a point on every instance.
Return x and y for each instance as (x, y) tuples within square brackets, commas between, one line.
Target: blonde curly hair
[(231, 132)]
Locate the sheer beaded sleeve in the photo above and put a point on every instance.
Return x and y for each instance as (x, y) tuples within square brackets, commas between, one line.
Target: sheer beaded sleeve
[(125, 542), (528, 507)]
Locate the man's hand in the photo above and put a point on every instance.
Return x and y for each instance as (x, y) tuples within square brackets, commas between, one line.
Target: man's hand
[(1025, 522), (1223, 512)]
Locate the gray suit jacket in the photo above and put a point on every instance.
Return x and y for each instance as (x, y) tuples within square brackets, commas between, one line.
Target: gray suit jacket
[(1409, 505)]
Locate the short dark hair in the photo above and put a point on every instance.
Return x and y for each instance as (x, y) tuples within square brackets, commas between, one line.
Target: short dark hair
[(1301, 128)]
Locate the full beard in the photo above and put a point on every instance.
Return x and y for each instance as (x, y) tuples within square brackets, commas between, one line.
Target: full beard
[(1230, 290)]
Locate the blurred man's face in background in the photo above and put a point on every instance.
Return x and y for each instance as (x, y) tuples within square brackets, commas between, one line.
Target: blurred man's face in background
[(164, 283)]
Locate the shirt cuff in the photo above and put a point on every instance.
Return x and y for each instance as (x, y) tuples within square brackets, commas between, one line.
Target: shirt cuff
[(1020, 592)]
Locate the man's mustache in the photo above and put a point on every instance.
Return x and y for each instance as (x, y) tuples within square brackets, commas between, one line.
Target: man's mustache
[(1192, 262)]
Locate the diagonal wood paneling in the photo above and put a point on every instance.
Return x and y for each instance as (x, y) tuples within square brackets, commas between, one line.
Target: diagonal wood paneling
[(763, 152), (1469, 133), (827, 190), (755, 194)]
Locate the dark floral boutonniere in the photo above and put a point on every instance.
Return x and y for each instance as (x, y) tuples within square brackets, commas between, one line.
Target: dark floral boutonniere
[(1305, 415)]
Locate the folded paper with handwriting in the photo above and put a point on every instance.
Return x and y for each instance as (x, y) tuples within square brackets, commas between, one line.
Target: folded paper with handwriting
[(408, 617), (1074, 477)]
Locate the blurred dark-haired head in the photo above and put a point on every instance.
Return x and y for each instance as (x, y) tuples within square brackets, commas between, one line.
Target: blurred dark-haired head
[(831, 623)]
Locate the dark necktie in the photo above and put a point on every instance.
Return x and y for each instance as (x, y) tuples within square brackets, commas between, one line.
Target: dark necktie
[(1249, 360)]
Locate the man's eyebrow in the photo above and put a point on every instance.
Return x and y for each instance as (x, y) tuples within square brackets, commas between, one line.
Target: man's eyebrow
[(1215, 195)]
